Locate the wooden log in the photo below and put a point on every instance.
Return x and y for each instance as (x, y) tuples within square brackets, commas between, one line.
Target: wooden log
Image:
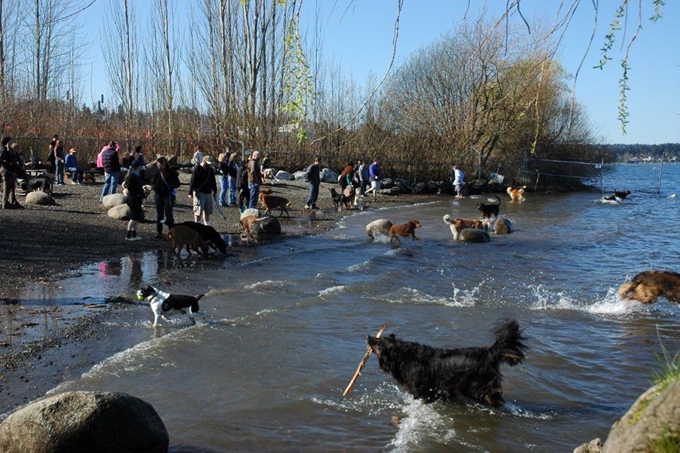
[(368, 353)]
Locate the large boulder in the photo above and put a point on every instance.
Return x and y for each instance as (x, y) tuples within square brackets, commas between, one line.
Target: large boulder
[(114, 199), (120, 212), (328, 175), (652, 421), (267, 225), (473, 235), (283, 176), (84, 422), (379, 227), (39, 198)]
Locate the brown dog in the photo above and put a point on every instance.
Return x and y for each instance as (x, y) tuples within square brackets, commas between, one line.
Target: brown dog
[(648, 286), (516, 193), (264, 191), (459, 225), (183, 236), (272, 202), (404, 230)]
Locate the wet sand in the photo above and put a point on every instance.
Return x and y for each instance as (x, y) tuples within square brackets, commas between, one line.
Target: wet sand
[(40, 345)]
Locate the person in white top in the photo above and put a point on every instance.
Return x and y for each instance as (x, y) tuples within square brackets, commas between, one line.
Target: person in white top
[(458, 180)]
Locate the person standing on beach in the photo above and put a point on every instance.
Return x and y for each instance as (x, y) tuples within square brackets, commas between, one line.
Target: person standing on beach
[(242, 187), (254, 179), (59, 161), (111, 165), (135, 197), (203, 188), (232, 173), (458, 180), (165, 182), (313, 174)]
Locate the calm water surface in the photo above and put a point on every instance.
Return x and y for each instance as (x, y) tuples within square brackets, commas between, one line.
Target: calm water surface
[(282, 331)]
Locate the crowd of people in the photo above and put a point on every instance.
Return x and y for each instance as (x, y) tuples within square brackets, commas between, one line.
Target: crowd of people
[(239, 181)]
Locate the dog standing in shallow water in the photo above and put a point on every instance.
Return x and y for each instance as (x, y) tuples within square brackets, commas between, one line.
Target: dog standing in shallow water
[(648, 286), (404, 230), (459, 225), (165, 304), (431, 373), (489, 210)]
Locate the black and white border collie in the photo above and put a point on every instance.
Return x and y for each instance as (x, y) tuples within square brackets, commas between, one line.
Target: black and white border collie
[(165, 304), (449, 374)]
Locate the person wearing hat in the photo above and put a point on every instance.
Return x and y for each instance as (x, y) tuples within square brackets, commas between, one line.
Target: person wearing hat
[(135, 197), (202, 189), (71, 162)]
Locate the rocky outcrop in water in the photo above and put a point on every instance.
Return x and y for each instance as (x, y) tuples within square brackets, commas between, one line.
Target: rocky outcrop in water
[(78, 422), (652, 424)]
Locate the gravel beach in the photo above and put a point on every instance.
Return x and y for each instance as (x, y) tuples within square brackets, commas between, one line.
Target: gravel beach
[(45, 244)]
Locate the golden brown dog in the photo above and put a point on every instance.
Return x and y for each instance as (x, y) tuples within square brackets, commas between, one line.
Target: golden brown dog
[(516, 193), (648, 286), (404, 230), (273, 201), (459, 225), (183, 236), (264, 191)]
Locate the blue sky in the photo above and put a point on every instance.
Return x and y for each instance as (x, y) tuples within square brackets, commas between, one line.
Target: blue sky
[(357, 36)]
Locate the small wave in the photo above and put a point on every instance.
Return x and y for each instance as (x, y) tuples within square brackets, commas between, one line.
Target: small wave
[(422, 422), (526, 412), (265, 285), (359, 267), (332, 290)]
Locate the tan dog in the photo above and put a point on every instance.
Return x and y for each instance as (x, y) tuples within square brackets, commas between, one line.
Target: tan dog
[(147, 190), (459, 225), (516, 193), (272, 202), (183, 236), (404, 230), (264, 191), (648, 286)]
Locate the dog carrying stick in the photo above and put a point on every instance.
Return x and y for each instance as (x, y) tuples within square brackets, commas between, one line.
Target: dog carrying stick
[(369, 350)]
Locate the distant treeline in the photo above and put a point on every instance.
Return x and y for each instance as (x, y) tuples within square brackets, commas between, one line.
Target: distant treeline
[(642, 153)]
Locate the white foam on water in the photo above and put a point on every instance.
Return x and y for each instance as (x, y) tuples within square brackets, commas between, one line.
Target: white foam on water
[(332, 290), (421, 422)]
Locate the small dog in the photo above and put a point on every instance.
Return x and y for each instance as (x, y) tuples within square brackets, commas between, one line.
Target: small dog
[(459, 225), (273, 201), (165, 304), (404, 230), (39, 183), (340, 200), (648, 286), (183, 236), (618, 196), (516, 193), (378, 227), (489, 210), (472, 373), (208, 233)]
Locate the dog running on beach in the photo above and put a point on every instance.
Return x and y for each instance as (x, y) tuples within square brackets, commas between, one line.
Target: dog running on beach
[(648, 286), (404, 230), (164, 304), (618, 196), (183, 236), (472, 373)]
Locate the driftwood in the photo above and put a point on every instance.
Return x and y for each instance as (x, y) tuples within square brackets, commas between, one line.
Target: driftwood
[(369, 350)]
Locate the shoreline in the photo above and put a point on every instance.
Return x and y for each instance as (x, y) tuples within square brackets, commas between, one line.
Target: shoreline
[(42, 344)]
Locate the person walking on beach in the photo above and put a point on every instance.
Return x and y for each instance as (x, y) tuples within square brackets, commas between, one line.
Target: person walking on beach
[(375, 177), (111, 165), (164, 184), (202, 189), (135, 197), (458, 180), (254, 179), (242, 187), (313, 174)]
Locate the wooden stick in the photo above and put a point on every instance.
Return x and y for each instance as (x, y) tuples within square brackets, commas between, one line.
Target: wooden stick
[(369, 350)]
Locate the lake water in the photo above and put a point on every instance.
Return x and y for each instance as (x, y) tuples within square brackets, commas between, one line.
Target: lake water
[(284, 327)]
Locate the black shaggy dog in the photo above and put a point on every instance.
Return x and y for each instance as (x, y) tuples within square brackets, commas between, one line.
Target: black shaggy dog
[(448, 374), (340, 200), (488, 210)]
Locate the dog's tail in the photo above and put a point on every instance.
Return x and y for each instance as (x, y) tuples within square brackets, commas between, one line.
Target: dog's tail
[(447, 219), (499, 200), (194, 306), (509, 346)]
